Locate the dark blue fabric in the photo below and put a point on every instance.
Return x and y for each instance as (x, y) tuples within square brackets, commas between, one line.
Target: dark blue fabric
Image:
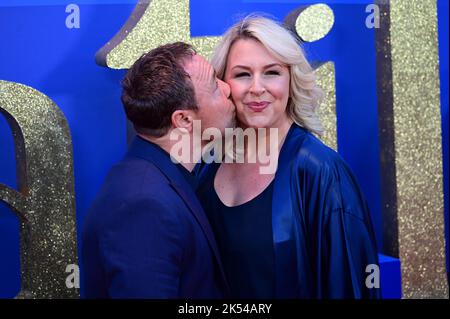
[(244, 237), (146, 235), (322, 232), (189, 176)]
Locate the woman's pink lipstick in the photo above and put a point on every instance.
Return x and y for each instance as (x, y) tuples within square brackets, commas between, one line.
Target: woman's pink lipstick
[(257, 106)]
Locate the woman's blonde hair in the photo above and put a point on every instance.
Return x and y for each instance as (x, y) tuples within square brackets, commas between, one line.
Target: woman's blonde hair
[(304, 94)]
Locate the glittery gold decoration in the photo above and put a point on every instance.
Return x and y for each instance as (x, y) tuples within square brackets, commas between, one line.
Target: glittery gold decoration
[(319, 17), (314, 22), (418, 147), (386, 133), (152, 23), (45, 201), (327, 109)]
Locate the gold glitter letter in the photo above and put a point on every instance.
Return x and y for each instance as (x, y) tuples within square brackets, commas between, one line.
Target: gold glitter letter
[(45, 202), (410, 139), (152, 23), (310, 24)]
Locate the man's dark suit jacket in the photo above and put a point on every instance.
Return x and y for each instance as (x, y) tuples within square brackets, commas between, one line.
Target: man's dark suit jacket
[(147, 236)]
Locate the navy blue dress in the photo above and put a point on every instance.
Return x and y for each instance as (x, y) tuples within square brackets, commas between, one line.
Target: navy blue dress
[(244, 238)]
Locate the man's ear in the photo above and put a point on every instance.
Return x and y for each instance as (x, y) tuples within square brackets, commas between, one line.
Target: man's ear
[(184, 119)]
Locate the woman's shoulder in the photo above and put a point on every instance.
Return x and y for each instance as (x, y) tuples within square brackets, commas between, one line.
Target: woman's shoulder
[(204, 174), (315, 162)]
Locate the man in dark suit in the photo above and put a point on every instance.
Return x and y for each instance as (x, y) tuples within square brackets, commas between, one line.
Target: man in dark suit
[(146, 235)]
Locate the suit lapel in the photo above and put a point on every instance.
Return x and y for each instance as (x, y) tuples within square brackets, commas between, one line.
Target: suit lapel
[(191, 201)]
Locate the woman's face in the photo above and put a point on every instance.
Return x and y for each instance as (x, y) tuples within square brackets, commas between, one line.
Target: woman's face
[(259, 85)]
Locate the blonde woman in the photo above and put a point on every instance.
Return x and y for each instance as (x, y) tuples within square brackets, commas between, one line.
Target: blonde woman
[(303, 230)]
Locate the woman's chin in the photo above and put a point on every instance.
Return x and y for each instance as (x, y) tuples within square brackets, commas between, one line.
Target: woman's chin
[(254, 122)]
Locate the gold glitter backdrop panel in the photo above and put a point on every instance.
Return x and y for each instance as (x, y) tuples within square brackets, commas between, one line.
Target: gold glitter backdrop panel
[(152, 23), (418, 147)]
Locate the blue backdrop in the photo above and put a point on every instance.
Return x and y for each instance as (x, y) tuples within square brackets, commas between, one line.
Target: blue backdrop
[(37, 49)]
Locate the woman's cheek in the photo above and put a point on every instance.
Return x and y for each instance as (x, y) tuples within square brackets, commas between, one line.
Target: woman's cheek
[(237, 99), (237, 88)]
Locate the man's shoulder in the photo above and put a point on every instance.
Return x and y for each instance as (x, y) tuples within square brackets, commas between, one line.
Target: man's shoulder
[(132, 177), (132, 188), (131, 182)]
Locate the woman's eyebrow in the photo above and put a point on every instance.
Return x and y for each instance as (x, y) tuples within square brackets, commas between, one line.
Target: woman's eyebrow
[(249, 68), (272, 65)]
